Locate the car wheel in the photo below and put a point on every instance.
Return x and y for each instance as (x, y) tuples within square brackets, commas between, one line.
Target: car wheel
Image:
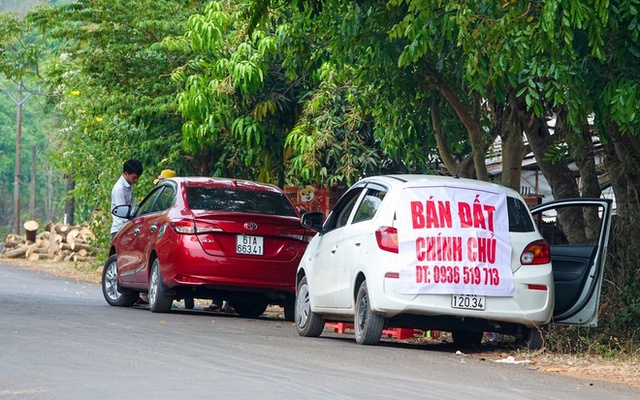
[(467, 338), (115, 295), (367, 324), (308, 323), (189, 304), (249, 309), (534, 339), (159, 302)]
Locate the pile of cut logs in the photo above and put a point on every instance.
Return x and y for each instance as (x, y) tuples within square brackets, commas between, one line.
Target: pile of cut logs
[(56, 242)]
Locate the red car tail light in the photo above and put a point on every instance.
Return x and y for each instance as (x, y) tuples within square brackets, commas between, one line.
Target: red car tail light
[(387, 238), (299, 234), (536, 253)]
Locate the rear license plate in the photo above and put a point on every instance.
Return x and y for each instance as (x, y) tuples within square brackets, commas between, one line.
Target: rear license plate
[(467, 301), (246, 244)]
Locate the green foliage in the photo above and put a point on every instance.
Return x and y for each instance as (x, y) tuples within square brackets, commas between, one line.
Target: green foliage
[(111, 88), (364, 115), (21, 52), (618, 325), (237, 102), (628, 315)]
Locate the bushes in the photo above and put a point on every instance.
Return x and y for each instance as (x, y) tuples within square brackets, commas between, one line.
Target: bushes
[(618, 331)]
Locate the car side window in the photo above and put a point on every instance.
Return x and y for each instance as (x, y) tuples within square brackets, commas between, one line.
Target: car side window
[(369, 206), (165, 199), (341, 212), (147, 204), (346, 212)]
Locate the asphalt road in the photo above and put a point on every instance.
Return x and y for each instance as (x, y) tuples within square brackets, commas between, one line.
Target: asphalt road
[(60, 340)]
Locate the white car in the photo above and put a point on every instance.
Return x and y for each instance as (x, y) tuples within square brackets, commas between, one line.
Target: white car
[(457, 255)]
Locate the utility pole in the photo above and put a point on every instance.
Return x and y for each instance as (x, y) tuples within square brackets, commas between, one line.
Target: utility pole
[(32, 186), (19, 100)]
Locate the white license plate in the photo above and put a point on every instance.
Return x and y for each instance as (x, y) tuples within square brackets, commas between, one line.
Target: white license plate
[(467, 301), (246, 244)]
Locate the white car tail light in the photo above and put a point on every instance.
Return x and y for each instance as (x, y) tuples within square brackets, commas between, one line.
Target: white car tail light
[(205, 227), (183, 226), (387, 238), (536, 253), (189, 227)]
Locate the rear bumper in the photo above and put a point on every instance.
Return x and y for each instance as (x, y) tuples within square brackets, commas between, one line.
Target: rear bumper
[(190, 266), (529, 306)]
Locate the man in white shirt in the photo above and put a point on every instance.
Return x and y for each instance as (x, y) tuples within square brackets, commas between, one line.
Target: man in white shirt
[(122, 192)]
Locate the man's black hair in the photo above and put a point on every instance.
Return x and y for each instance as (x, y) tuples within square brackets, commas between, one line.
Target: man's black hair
[(132, 167)]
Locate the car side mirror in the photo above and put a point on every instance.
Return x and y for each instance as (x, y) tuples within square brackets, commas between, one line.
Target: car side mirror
[(122, 211), (312, 220)]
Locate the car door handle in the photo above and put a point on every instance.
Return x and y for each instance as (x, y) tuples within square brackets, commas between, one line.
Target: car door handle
[(333, 251), (136, 230), (357, 244), (153, 228)]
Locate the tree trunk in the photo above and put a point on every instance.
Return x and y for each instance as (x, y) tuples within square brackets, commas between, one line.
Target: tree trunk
[(622, 166), (449, 161), (474, 129), (510, 130), (581, 148), (69, 205), (558, 175)]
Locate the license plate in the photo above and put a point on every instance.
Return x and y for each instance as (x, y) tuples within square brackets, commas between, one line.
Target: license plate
[(253, 245), (467, 301)]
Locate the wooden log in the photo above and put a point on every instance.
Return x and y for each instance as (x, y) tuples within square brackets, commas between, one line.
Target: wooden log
[(77, 258), (72, 235), (31, 229), (81, 246), (55, 240), (16, 238), (33, 257), (61, 255), (30, 250), (61, 229), (17, 252), (41, 250), (12, 243), (43, 243), (65, 246), (87, 235)]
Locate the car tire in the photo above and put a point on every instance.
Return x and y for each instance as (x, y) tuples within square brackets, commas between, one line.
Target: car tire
[(113, 293), (308, 323), (249, 309), (189, 303), (159, 302), (368, 325), (467, 338), (534, 339)]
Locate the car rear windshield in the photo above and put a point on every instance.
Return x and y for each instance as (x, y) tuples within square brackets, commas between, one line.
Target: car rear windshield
[(519, 216), (237, 200)]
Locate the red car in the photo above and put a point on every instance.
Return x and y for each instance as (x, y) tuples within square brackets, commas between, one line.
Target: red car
[(209, 238)]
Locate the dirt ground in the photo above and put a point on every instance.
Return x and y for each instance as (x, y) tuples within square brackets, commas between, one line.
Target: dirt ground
[(616, 370)]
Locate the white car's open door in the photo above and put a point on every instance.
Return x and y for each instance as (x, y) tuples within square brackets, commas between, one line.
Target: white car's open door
[(577, 231)]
